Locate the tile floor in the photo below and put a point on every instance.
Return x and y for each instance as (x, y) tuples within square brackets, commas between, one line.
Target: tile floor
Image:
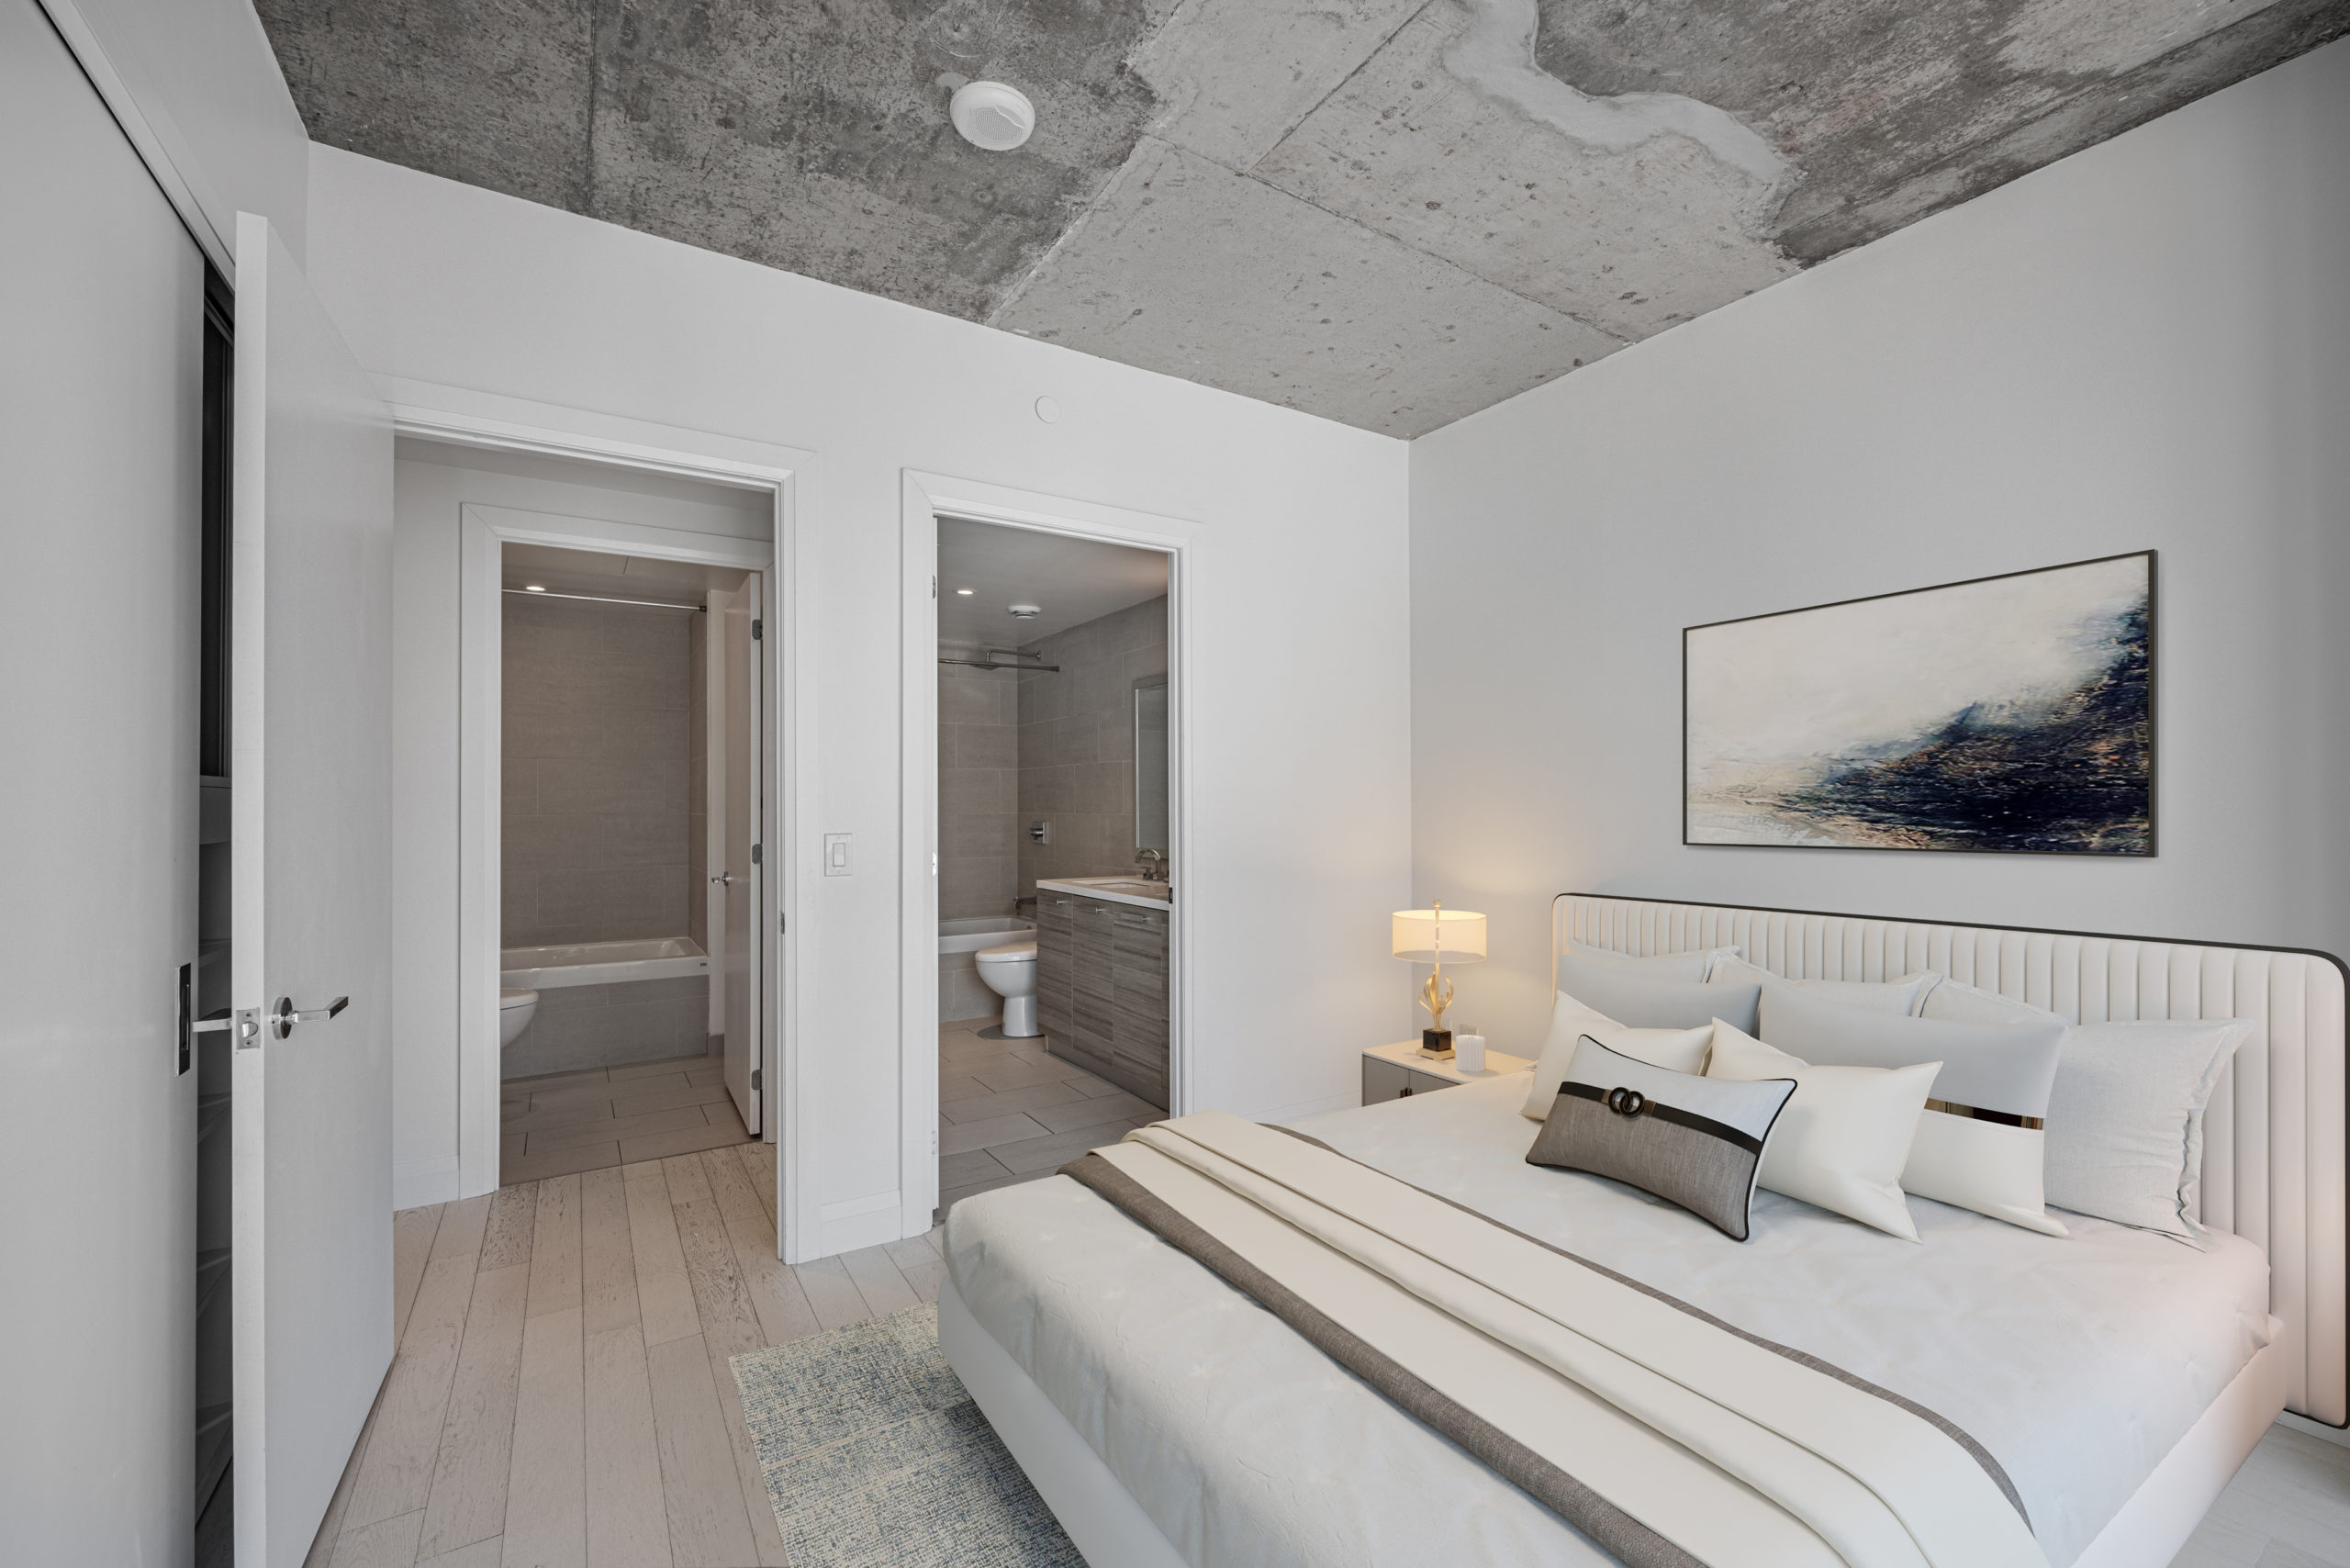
[(561, 1395), (1008, 1112), (563, 1123)]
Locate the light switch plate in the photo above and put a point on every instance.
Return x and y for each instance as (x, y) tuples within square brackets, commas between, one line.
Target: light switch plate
[(836, 854)]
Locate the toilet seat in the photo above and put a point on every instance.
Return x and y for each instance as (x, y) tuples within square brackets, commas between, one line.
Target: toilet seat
[(1009, 953), (507, 999)]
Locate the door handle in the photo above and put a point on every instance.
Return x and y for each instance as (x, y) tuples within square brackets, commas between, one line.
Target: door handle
[(283, 1018), (727, 880)]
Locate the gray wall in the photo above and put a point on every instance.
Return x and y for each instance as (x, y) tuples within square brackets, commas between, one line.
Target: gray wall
[(1077, 743), (597, 706), (978, 789), (2145, 344)]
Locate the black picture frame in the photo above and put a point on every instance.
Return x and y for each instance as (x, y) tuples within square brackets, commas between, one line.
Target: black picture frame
[(2153, 683)]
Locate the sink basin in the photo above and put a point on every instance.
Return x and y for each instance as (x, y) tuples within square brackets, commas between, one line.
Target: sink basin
[(1124, 887)]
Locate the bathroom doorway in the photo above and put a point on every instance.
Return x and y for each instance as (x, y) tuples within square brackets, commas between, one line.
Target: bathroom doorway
[(1057, 874), (630, 857)]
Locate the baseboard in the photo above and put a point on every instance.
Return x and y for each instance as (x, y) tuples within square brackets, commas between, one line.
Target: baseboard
[(2318, 1429), (418, 1182)]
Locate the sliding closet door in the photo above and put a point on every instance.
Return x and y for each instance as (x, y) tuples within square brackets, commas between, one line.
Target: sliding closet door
[(310, 721), (101, 427)]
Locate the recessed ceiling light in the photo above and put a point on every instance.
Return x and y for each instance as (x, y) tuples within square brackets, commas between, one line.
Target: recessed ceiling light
[(534, 588), (1023, 611), (964, 592)]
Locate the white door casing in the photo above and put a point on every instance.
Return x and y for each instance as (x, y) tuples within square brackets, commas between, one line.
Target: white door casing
[(736, 959), (310, 913)]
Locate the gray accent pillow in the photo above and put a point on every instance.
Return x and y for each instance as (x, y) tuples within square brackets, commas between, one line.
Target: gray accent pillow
[(1624, 994), (1900, 997), (1693, 1141)]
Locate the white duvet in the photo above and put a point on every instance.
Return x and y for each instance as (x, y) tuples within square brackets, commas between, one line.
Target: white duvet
[(2077, 1361)]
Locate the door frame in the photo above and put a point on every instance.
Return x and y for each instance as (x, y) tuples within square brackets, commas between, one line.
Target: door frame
[(924, 497), (465, 417)]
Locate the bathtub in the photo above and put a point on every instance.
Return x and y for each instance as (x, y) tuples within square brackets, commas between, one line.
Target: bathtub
[(602, 963), (975, 932)]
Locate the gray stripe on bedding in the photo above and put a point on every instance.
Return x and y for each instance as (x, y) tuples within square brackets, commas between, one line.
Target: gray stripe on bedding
[(1639, 1546), (1958, 1435)]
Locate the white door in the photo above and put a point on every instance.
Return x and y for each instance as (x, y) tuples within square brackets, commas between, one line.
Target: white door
[(310, 861), (739, 955)]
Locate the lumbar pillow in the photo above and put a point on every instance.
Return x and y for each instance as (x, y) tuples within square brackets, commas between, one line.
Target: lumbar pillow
[(1981, 1144), (2125, 1119), (1627, 992), (1677, 1050), (1845, 1135), (1693, 1141), (1900, 996), (1695, 965)]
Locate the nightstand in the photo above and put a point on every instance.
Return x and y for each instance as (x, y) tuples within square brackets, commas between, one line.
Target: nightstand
[(1391, 1073)]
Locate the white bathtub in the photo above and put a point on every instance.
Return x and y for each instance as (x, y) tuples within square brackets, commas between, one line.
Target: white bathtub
[(975, 932), (601, 963)]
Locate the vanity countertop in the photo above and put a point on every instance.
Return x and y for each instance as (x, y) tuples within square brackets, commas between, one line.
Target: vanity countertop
[(1114, 890)]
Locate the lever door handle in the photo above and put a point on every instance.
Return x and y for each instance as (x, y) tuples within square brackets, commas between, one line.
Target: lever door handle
[(725, 881), (283, 1018)]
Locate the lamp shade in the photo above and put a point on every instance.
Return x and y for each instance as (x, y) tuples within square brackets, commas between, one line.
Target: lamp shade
[(1439, 936)]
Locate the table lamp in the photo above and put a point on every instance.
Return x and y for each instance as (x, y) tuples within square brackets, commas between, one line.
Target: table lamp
[(1439, 936)]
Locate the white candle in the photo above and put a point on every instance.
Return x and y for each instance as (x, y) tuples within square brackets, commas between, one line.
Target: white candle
[(1469, 1053)]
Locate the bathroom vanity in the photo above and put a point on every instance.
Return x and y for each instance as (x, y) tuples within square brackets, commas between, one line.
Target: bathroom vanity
[(1102, 993)]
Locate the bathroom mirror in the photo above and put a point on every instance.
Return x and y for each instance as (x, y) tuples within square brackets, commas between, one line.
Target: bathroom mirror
[(1150, 763)]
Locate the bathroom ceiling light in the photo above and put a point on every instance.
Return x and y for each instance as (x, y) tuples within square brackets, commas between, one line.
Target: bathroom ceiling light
[(964, 592), (992, 116), (534, 588), (1024, 611)]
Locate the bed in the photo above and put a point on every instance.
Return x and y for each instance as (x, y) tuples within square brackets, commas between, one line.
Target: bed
[(2119, 1377)]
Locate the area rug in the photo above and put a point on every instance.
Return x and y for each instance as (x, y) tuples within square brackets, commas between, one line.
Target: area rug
[(875, 1457)]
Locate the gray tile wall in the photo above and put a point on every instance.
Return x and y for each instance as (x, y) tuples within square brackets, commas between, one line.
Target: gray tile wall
[(1075, 747), (978, 801), (599, 728), (603, 1025)]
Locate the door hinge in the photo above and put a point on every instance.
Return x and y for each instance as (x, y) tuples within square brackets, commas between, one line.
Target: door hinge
[(934, 588), (755, 1081), (781, 927), (758, 630), (754, 854)]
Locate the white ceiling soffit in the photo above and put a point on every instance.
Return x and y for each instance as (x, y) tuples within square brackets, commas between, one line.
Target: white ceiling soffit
[(1071, 580)]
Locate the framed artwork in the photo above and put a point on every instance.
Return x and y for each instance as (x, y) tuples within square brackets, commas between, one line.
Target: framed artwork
[(2011, 714)]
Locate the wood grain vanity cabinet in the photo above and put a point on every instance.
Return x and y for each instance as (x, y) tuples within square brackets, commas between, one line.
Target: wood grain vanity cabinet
[(1101, 990)]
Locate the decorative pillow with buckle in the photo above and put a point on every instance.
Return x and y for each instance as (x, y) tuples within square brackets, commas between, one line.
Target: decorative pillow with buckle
[(1693, 1141)]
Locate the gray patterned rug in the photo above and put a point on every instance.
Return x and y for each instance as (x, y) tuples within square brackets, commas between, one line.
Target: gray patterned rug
[(875, 1457)]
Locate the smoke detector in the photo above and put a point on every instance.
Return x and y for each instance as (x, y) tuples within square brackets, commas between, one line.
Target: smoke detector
[(1024, 611), (992, 116)]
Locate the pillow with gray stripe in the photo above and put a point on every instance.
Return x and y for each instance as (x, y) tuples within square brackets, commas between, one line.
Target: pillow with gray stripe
[(1982, 1143), (1693, 1141)]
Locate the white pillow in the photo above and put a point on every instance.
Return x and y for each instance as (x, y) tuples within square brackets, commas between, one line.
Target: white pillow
[(1676, 1050), (1844, 1137), (2125, 1113), (1694, 965), (1639, 993), (2125, 1119), (1980, 1144), (1900, 996)]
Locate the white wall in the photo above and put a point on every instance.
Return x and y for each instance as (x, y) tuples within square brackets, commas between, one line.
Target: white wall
[(1300, 669), (430, 482), (2147, 344)]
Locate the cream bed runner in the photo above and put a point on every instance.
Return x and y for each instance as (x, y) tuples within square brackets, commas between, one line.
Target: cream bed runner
[(1669, 1438)]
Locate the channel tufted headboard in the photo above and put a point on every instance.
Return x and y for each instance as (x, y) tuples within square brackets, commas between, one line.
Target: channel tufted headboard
[(2273, 1152)]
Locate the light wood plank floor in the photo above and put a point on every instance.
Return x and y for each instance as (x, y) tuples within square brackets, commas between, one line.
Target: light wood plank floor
[(1008, 1110), (561, 1123), (561, 1395)]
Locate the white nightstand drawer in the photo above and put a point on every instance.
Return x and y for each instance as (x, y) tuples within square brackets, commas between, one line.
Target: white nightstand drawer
[(1398, 1072)]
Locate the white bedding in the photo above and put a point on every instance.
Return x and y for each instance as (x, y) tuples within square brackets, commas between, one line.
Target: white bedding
[(2076, 1361)]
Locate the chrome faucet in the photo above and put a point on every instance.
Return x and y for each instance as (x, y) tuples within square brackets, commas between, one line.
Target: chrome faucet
[(1154, 865)]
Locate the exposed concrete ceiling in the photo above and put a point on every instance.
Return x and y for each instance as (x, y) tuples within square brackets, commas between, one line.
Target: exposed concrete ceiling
[(1388, 212)]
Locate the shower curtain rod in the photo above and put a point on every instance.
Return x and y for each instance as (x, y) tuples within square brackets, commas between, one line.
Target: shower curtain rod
[(988, 664), (606, 598)]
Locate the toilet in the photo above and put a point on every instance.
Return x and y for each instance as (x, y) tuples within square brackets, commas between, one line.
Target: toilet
[(514, 1010), (1010, 971)]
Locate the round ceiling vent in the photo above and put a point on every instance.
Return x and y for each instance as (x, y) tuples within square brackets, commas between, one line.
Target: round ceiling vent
[(992, 116), (1024, 611)]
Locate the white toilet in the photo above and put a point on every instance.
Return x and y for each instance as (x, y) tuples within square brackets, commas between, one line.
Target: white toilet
[(514, 1010), (1010, 971)]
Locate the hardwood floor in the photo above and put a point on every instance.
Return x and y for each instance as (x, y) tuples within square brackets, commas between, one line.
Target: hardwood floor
[(561, 1395), (561, 1123), (1009, 1112)]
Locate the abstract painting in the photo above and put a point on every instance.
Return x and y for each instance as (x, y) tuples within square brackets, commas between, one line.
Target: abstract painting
[(2013, 713)]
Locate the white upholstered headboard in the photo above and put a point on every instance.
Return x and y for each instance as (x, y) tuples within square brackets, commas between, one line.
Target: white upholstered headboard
[(2273, 1152)]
